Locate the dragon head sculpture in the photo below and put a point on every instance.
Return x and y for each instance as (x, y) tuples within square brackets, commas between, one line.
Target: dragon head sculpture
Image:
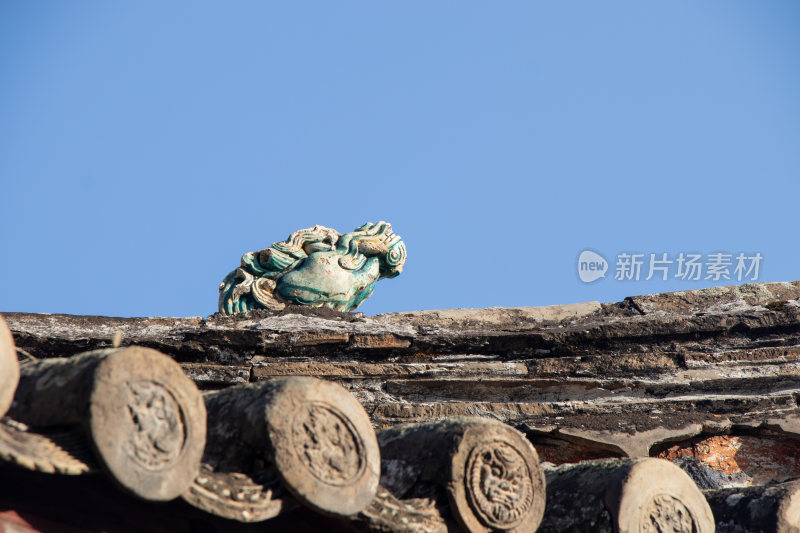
[(316, 266)]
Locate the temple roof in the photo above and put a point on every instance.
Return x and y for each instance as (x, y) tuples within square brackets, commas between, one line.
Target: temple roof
[(708, 379)]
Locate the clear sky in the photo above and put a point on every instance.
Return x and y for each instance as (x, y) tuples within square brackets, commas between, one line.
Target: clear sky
[(144, 146)]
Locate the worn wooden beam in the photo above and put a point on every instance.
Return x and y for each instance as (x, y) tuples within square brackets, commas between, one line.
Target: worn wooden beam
[(772, 508), (623, 496), (145, 419), (309, 436), (490, 471)]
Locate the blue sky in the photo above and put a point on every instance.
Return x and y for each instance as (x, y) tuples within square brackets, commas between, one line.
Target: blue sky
[(145, 146)]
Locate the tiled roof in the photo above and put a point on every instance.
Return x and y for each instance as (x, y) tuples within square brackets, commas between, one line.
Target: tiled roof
[(269, 419)]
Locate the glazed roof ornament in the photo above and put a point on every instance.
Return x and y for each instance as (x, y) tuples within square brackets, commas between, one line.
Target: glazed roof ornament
[(316, 266)]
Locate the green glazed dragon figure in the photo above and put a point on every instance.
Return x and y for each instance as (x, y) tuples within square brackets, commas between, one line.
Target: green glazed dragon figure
[(316, 266)]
